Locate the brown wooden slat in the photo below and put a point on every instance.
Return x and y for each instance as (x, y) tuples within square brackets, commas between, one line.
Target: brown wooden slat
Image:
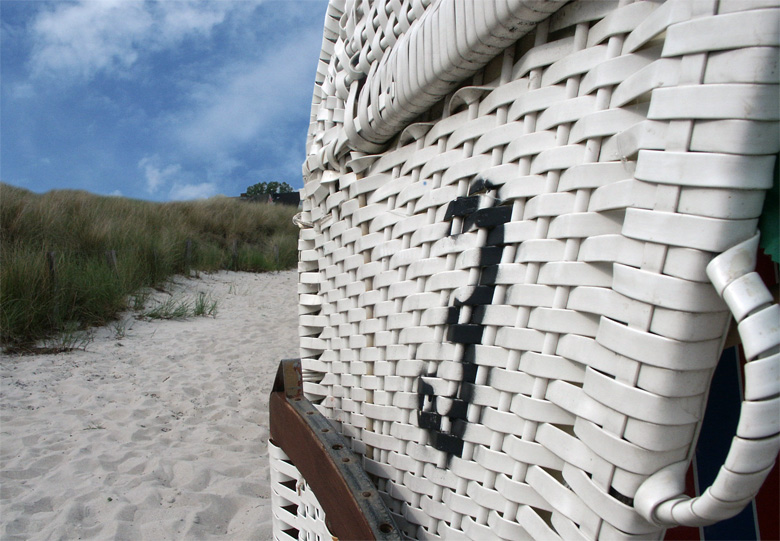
[(353, 507)]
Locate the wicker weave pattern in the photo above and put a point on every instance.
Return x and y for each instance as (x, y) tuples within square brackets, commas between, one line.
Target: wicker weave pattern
[(297, 515), (507, 309)]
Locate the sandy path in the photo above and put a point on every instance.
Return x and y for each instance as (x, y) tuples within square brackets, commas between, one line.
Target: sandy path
[(160, 434)]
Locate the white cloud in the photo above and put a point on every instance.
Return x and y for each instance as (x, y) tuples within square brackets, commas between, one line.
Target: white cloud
[(209, 88), (179, 19), (173, 180), (155, 175), (249, 101), (183, 192), (78, 40)]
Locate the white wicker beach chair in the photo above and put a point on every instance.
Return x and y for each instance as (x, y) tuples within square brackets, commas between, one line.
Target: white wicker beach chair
[(526, 228)]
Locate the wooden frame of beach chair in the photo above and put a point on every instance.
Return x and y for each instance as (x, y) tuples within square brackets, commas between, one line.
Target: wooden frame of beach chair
[(351, 507), (526, 227)]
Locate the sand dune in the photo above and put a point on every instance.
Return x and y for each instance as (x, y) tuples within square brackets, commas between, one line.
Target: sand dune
[(157, 434)]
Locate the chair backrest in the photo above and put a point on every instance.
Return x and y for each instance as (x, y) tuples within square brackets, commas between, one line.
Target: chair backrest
[(510, 211)]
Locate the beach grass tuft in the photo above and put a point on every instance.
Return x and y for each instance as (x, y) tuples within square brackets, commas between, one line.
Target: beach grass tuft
[(70, 258), (170, 309), (204, 305)]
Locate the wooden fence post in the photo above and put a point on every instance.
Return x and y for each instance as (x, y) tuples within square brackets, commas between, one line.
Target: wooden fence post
[(52, 264), (51, 260), (234, 259), (188, 255), (111, 261)]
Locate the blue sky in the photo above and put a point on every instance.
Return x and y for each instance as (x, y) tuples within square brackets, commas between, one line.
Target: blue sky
[(165, 100)]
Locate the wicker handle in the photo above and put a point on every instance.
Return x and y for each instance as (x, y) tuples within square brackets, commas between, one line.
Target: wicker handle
[(661, 499)]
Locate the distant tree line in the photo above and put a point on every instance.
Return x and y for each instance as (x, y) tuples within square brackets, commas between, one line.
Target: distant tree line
[(272, 192), (268, 188)]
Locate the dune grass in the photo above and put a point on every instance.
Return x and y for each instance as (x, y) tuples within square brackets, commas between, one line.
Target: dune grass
[(54, 271), (182, 308)]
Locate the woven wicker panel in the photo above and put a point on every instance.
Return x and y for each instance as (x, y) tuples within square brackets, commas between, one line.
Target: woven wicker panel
[(297, 514), (504, 304)]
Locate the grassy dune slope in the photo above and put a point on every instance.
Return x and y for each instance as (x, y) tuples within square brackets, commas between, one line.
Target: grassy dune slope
[(150, 241)]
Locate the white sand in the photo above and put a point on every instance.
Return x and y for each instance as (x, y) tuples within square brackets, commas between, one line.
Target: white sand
[(160, 434)]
